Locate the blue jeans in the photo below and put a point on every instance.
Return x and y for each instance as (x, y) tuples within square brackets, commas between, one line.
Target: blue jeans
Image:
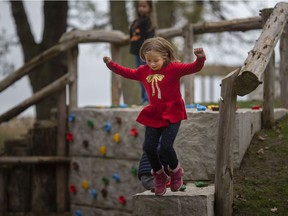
[(152, 140), (144, 97)]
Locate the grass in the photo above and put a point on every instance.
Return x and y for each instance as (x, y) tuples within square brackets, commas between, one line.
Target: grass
[(15, 128), (261, 183)]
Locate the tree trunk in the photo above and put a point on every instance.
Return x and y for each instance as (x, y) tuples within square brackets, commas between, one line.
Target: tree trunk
[(55, 23)]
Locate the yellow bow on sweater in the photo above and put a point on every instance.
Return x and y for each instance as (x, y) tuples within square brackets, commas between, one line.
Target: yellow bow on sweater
[(153, 79)]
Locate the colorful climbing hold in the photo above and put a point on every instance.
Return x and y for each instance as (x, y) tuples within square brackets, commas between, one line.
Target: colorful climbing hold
[(183, 188), (107, 127), (122, 200), (200, 107), (123, 105), (78, 213), (256, 107), (85, 185), (134, 132), (75, 165), (104, 193), (69, 137), (85, 144), (72, 189), (105, 180), (93, 193), (116, 176), (90, 124), (103, 150), (190, 106), (134, 171), (71, 118), (116, 138), (201, 184), (118, 120)]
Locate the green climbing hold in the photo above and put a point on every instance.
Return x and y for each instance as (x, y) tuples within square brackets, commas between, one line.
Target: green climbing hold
[(90, 124), (201, 184), (183, 188)]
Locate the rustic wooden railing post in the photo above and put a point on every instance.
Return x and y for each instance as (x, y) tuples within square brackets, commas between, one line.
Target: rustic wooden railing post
[(188, 35), (284, 68), (250, 75), (116, 79), (224, 148), (3, 190), (268, 120), (73, 71)]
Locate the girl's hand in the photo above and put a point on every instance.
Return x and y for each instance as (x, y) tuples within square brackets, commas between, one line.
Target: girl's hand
[(106, 59), (199, 52)]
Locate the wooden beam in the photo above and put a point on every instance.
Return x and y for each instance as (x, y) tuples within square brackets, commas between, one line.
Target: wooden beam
[(224, 148), (34, 62), (25, 160), (251, 73), (37, 97), (284, 68), (188, 57), (268, 120)]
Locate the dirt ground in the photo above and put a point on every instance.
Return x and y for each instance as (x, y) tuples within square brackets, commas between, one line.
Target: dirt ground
[(261, 183)]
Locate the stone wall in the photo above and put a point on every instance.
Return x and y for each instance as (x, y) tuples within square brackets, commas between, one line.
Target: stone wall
[(103, 176)]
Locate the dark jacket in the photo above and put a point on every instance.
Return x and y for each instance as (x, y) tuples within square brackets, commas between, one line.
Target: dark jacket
[(140, 30)]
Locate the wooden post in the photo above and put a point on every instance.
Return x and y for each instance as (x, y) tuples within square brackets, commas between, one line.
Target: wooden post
[(250, 75), (224, 149), (73, 71), (43, 176), (3, 191), (268, 120), (284, 68), (116, 79), (19, 178), (62, 169), (188, 57)]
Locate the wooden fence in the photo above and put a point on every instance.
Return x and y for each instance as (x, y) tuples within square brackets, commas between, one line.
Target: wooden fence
[(240, 82)]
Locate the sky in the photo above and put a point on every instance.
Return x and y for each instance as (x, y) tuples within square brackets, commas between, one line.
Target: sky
[(94, 82)]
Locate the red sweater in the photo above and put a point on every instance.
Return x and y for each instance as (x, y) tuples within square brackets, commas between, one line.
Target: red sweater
[(163, 90)]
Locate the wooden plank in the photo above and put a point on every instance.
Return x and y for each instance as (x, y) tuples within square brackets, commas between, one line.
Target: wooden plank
[(188, 57), (284, 68), (3, 190), (251, 73), (36, 160), (62, 149), (116, 79), (18, 178), (224, 149), (34, 62), (43, 179), (268, 120), (37, 97), (73, 71)]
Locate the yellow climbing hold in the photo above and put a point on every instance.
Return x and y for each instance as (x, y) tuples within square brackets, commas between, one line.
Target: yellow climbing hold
[(103, 150), (85, 185), (116, 138)]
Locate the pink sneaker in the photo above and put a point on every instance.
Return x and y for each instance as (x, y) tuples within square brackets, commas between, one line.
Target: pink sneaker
[(160, 179), (176, 176)]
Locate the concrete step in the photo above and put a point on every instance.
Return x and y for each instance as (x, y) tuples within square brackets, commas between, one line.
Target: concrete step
[(194, 201)]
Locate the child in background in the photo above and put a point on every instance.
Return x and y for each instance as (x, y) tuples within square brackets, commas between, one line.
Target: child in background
[(142, 28), (162, 117)]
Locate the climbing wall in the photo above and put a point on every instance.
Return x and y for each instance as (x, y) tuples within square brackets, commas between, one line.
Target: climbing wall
[(105, 146)]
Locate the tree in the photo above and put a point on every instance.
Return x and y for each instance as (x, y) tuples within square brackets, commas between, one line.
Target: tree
[(55, 24)]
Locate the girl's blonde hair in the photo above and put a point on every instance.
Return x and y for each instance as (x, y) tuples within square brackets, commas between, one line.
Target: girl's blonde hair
[(160, 45)]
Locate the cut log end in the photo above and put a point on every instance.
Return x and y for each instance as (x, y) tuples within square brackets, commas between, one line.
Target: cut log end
[(245, 83)]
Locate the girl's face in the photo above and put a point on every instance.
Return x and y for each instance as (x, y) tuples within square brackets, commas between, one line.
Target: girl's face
[(143, 8), (154, 60)]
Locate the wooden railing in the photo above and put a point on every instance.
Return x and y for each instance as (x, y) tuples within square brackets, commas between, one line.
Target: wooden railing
[(239, 82), (260, 62)]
